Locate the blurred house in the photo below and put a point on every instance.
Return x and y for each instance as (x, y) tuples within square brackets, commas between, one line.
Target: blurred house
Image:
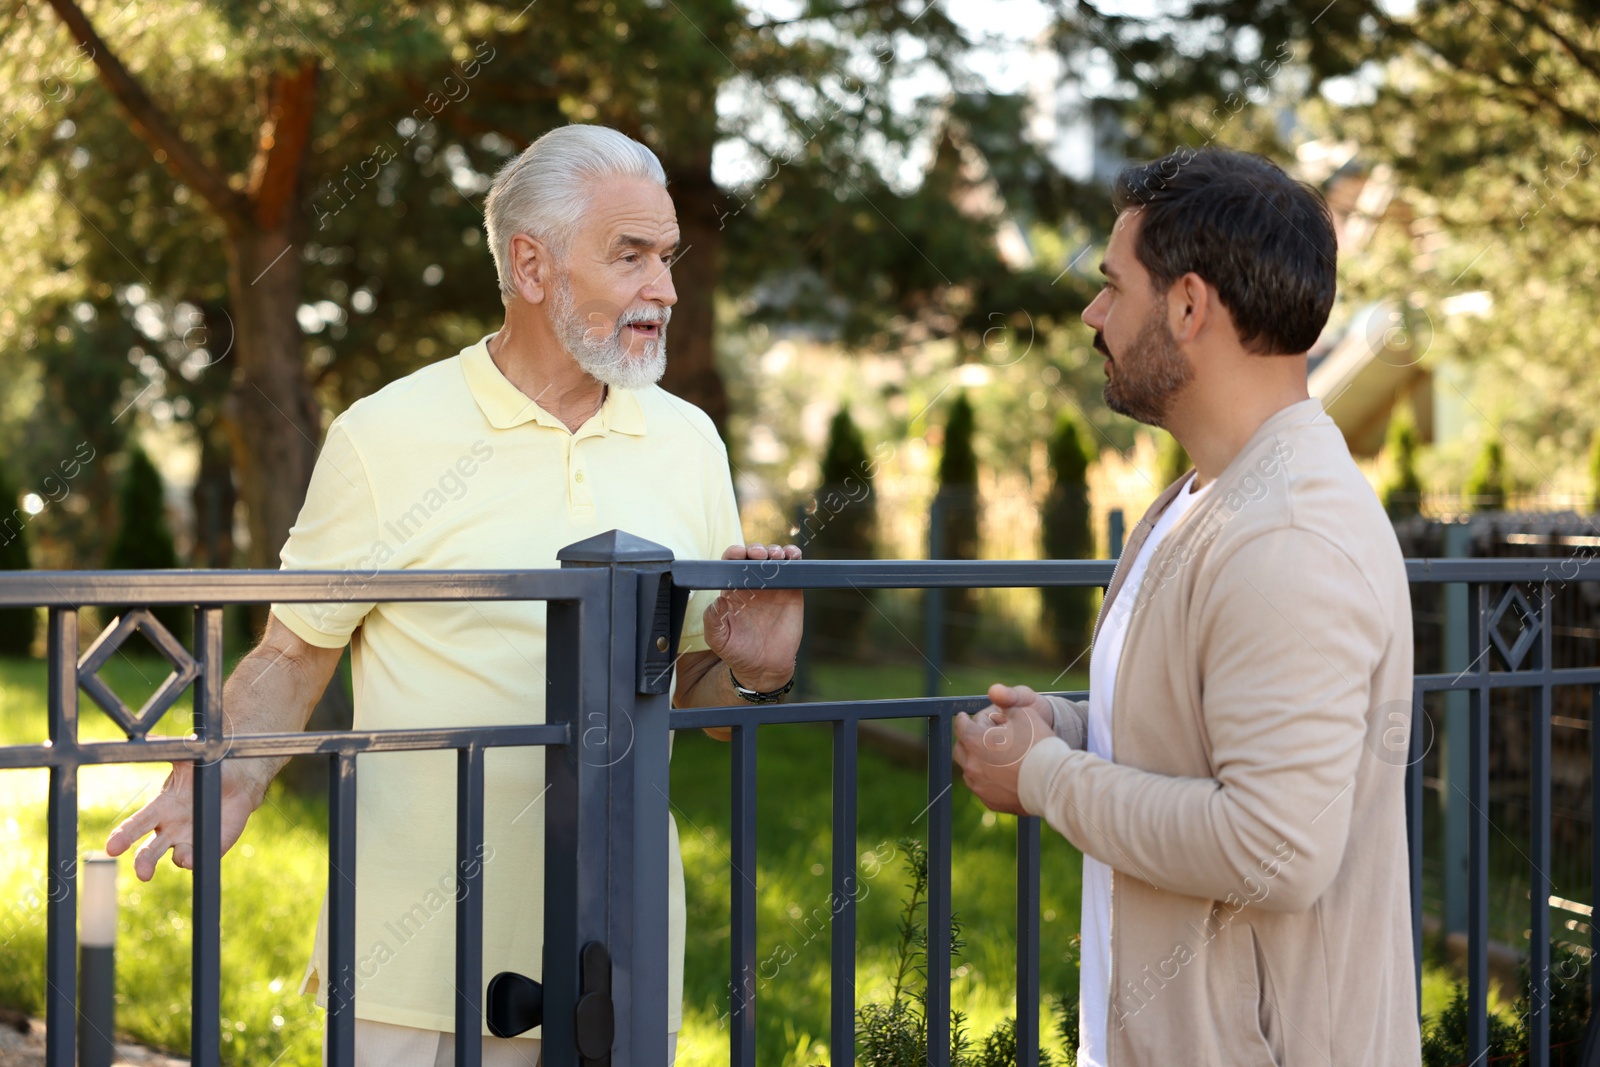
[(1374, 360)]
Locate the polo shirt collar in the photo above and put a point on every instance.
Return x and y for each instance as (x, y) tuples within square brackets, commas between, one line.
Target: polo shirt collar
[(505, 406)]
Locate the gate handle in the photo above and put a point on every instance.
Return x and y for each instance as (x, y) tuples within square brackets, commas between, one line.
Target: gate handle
[(515, 1004)]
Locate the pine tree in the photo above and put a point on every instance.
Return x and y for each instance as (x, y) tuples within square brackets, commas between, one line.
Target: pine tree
[(841, 525), (16, 624), (956, 510), (1402, 493), (1068, 534), (144, 541), (1486, 488), (1594, 472)]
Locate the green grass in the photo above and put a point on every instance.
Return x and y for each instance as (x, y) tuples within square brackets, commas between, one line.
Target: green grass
[(793, 891), (272, 887), (274, 880)]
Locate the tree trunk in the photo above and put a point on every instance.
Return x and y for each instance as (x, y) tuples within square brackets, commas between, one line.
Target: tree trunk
[(273, 414), (691, 348)]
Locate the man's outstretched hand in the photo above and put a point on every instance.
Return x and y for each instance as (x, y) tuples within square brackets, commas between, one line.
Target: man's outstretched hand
[(990, 746), (756, 631), (169, 819)]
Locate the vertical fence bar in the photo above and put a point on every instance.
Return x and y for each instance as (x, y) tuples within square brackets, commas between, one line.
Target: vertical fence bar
[(469, 906), (1478, 833), (933, 603), (205, 1004), (1594, 860), (742, 991), (61, 890), (842, 1027), (939, 786), (1539, 925), (1414, 838), (1027, 941), (341, 1021)]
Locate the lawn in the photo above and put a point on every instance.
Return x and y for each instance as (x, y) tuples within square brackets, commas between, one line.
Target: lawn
[(273, 883)]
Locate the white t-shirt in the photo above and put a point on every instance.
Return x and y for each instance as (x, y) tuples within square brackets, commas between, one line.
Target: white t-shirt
[(1094, 977)]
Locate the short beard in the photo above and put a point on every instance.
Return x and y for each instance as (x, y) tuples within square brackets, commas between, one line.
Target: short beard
[(1146, 376), (606, 359)]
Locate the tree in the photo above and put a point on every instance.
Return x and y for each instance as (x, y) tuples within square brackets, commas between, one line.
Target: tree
[(1594, 472), (1475, 120), (1486, 488), (144, 541), (954, 529), (16, 624), (313, 174), (1402, 492), (1068, 534), (257, 207), (841, 525)]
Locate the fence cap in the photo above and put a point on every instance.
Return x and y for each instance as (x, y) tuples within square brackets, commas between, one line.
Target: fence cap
[(615, 546)]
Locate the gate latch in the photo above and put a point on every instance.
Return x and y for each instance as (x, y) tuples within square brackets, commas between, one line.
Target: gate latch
[(594, 1021)]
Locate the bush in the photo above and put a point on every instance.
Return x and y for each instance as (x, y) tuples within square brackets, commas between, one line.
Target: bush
[(1444, 1038), (16, 624), (896, 1034), (842, 525), (956, 512), (144, 541), (1486, 487), (1067, 530), (1402, 493)]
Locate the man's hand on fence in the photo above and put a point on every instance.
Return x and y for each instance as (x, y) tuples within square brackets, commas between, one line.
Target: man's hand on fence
[(271, 691), (990, 746), (756, 631), (170, 816)]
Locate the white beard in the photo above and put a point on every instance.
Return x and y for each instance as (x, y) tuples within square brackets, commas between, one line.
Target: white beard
[(606, 359)]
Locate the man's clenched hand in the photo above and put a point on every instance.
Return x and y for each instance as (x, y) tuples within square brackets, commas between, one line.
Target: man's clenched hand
[(990, 746)]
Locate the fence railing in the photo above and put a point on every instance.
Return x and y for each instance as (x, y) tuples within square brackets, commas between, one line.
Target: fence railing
[(614, 613)]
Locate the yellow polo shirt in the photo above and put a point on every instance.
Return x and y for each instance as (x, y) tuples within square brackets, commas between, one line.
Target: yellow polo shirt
[(454, 468)]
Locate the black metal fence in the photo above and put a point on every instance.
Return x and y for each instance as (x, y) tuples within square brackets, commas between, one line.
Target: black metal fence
[(614, 612)]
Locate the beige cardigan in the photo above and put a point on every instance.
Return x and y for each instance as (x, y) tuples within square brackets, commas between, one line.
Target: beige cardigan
[(1254, 819)]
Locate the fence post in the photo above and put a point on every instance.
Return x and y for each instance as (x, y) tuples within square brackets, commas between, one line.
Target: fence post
[(1116, 531), (632, 741), (577, 782)]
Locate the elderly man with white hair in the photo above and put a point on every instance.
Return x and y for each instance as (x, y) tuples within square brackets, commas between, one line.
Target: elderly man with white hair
[(544, 433)]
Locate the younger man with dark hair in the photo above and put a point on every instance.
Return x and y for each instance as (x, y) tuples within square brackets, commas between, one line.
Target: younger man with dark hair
[(1242, 823)]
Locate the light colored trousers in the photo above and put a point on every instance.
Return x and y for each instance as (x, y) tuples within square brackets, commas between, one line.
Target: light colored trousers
[(387, 1045)]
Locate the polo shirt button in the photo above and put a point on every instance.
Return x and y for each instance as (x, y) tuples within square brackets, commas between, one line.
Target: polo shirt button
[(578, 477)]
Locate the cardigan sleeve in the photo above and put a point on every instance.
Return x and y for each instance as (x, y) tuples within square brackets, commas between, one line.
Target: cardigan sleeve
[(1290, 636)]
